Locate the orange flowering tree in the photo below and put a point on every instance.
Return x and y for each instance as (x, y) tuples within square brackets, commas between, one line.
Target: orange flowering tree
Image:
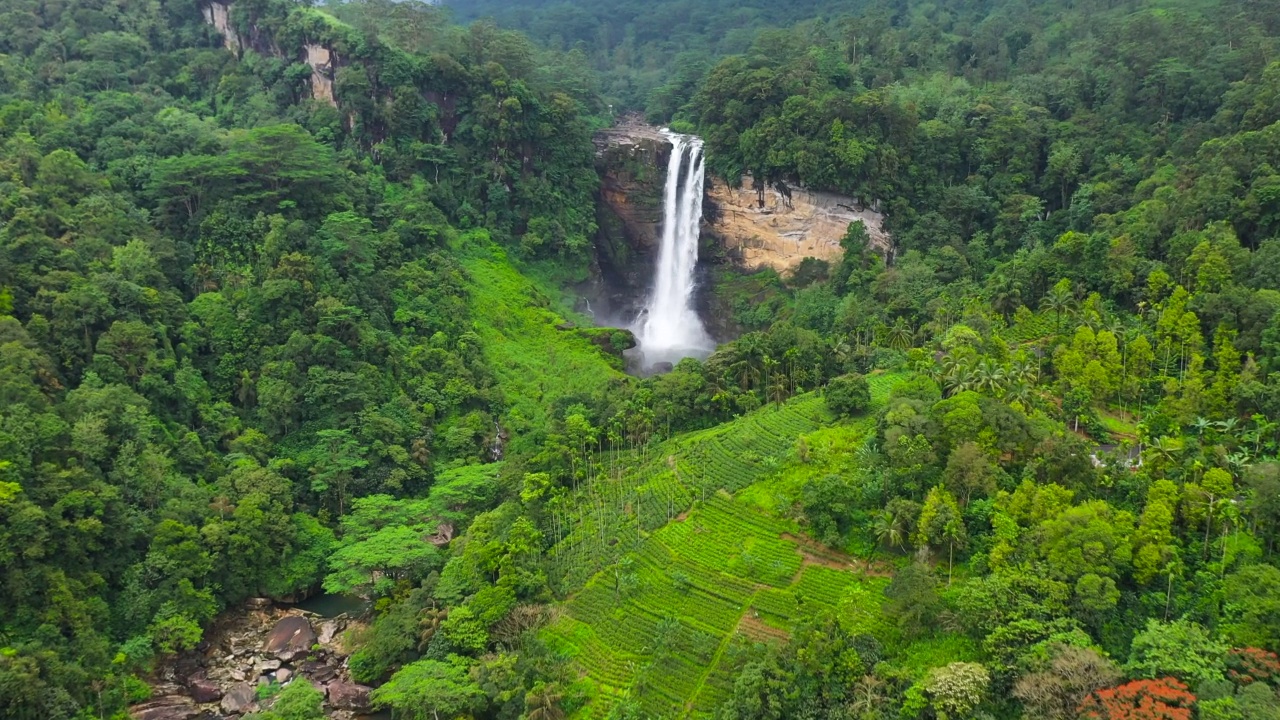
[(1163, 699), (1249, 665)]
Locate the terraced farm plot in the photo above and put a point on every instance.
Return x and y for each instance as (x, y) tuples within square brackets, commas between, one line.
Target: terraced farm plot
[(1031, 327), (725, 575), (643, 491), (667, 626), (646, 491)]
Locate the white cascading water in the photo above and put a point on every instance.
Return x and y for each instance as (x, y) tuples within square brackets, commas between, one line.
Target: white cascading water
[(670, 328)]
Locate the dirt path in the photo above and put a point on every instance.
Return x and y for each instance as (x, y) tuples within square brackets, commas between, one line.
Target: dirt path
[(813, 552), (756, 629)]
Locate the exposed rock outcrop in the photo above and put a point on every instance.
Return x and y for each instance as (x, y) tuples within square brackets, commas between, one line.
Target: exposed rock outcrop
[(218, 15), (257, 645), (239, 698), (322, 60), (631, 159), (165, 707), (769, 229), (203, 690)]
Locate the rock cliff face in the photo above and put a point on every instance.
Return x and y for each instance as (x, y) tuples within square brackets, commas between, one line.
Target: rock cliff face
[(632, 161), (760, 229), (219, 16), (323, 60)]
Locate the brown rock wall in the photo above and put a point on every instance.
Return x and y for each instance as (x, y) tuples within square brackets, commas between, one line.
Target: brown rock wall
[(769, 229)]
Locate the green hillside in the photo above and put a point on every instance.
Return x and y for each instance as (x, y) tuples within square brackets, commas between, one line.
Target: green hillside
[(667, 626)]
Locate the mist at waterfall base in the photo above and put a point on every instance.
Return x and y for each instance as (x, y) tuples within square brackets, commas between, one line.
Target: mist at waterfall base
[(669, 329)]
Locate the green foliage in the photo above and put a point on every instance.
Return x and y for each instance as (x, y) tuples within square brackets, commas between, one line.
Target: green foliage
[(847, 395), (253, 340), (295, 701), (1180, 648), (426, 688), (1252, 608)]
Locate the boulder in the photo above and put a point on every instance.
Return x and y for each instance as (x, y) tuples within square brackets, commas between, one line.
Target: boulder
[(267, 665), (202, 689), (348, 696), (170, 707), (283, 675), (238, 698), (290, 638), (328, 631), (318, 671)]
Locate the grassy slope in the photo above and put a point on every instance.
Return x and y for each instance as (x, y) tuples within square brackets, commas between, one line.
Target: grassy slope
[(729, 573), (536, 363)]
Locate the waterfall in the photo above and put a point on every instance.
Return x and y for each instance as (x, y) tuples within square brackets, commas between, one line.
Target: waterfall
[(670, 328)]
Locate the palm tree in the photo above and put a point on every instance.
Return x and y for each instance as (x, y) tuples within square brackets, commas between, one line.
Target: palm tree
[(770, 368), (869, 696), (899, 336), (1020, 392), (543, 702), (990, 376), (1165, 448), (428, 623), (1058, 301), (888, 529), (1262, 429), (1006, 298), (1024, 369), (745, 372), (842, 351), (1227, 426), (964, 379), (955, 534), (1239, 461)]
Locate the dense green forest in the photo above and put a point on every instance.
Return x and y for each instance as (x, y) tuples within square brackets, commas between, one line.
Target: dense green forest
[(267, 328)]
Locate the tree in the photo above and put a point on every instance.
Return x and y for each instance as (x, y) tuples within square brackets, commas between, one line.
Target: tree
[(956, 689), (889, 529), (376, 563), (384, 541), (543, 702), (1162, 699), (970, 472), (913, 599), (1056, 693), (1180, 648), (1153, 541), (1059, 300), (848, 395), (1091, 538), (942, 525), (435, 689), (333, 461), (1252, 607)]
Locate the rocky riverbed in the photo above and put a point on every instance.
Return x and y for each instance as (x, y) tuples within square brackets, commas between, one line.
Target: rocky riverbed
[(256, 646)]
